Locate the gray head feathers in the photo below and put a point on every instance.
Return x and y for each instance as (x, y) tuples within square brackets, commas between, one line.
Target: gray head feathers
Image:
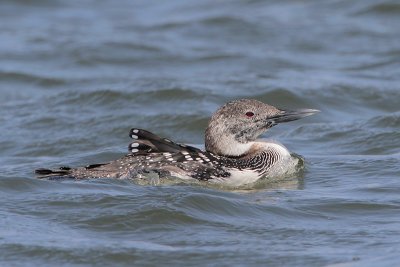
[(236, 124)]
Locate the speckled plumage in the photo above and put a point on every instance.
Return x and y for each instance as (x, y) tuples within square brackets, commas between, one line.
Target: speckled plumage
[(232, 149)]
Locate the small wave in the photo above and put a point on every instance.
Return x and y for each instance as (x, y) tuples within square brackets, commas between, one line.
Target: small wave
[(359, 138), (339, 207), (130, 97), (391, 120), (284, 98), (122, 53), (386, 8), (31, 78)]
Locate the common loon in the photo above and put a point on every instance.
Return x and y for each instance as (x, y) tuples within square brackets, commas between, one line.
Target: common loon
[(232, 153)]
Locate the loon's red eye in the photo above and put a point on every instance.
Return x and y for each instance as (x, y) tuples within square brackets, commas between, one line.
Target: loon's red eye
[(249, 114)]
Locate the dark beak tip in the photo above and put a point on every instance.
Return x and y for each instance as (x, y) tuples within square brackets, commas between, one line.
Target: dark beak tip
[(293, 115)]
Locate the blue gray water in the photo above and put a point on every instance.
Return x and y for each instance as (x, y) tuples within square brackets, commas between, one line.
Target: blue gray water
[(75, 76)]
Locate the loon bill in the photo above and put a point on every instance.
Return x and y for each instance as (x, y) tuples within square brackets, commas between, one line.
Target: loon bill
[(232, 152)]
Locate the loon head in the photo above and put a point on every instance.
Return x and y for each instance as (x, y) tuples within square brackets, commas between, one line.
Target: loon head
[(234, 126)]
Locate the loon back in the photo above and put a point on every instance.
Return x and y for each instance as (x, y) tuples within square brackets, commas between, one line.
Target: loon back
[(233, 154)]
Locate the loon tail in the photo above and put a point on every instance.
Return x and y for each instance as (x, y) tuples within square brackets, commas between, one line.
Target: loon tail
[(62, 172)]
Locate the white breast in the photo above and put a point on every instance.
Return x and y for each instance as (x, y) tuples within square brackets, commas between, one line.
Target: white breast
[(243, 177)]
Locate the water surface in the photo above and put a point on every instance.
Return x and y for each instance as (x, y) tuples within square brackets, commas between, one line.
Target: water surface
[(75, 76)]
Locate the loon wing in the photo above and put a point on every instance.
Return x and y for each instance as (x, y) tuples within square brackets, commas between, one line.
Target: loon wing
[(146, 142)]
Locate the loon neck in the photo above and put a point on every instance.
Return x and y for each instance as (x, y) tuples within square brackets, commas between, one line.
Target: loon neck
[(226, 146)]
